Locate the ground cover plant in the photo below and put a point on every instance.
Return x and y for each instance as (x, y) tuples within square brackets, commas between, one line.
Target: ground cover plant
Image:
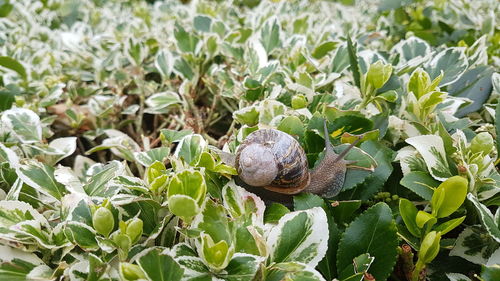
[(117, 118)]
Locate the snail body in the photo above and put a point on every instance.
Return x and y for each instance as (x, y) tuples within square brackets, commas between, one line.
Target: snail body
[(274, 160)]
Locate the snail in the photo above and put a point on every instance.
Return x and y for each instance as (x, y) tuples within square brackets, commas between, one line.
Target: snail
[(274, 160)]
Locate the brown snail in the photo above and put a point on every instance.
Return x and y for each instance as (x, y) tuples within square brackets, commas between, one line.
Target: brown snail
[(274, 160)]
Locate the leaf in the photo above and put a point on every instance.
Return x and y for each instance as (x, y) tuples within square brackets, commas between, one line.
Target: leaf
[(476, 85), (453, 191), (242, 267), (353, 59), (431, 147), (293, 271), (202, 23), (81, 234), (305, 201), (421, 183), (451, 61), (487, 219), (159, 266), (473, 246), (373, 232), (98, 184), (497, 124), (24, 124), (13, 64), (173, 135), (275, 212), (190, 148), (214, 221), (41, 177), (159, 102), (449, 225), (16, 265), (146, 158), (300, 236), (186, 42), (164, 63), (323, 49), (408, 212), (383, 156), (270, 35)]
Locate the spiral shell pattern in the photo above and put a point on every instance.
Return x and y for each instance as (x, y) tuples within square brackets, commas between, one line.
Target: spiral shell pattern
[(293, 172)]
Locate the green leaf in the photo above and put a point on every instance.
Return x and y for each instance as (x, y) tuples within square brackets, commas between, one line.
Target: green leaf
[(421, 183), (487, 219), (408, 212), (451, 61), (242, 267), (292, 126), (202, 23), (190, 148), (323, 49), (293, 271), (353, 59), (16, 265), (183, 206), (429, 248), (182, 68), (247, 115), (344, 211), (474, 245), (373, 232), (41, 177), (449, 196), (305, 201), (383, 156), (275, 212), (378, 74), (13, 64), (159, 102), (449, 225), (474, 84), (24, 124), (81, 234), (98, 184), (213, 220), (147, 158), (270, 35), (190, 183), (164, 63), (300, 236), (186, 42), (159, 266), (497, 125), (173, 135), (431, 147), (216, 255)]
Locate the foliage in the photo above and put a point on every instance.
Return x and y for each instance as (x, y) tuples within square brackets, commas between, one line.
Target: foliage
[(119, 119)]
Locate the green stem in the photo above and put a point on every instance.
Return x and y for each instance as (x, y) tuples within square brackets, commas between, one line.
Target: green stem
[(416, 272)]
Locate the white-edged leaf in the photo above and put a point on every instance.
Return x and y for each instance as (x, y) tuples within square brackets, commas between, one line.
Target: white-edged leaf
[(146, 158), (452, 61), (431, 147), (24, 124), (41, 177), (471, 246), (158, 102), (487, 218), (293, 271), (300, 236)]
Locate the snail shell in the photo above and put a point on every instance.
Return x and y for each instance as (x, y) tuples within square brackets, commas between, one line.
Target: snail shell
[(275, 160)]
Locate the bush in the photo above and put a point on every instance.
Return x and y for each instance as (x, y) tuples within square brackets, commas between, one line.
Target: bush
[(121, 119)]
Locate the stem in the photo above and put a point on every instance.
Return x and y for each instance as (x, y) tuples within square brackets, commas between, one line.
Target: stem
[(416, 272)]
